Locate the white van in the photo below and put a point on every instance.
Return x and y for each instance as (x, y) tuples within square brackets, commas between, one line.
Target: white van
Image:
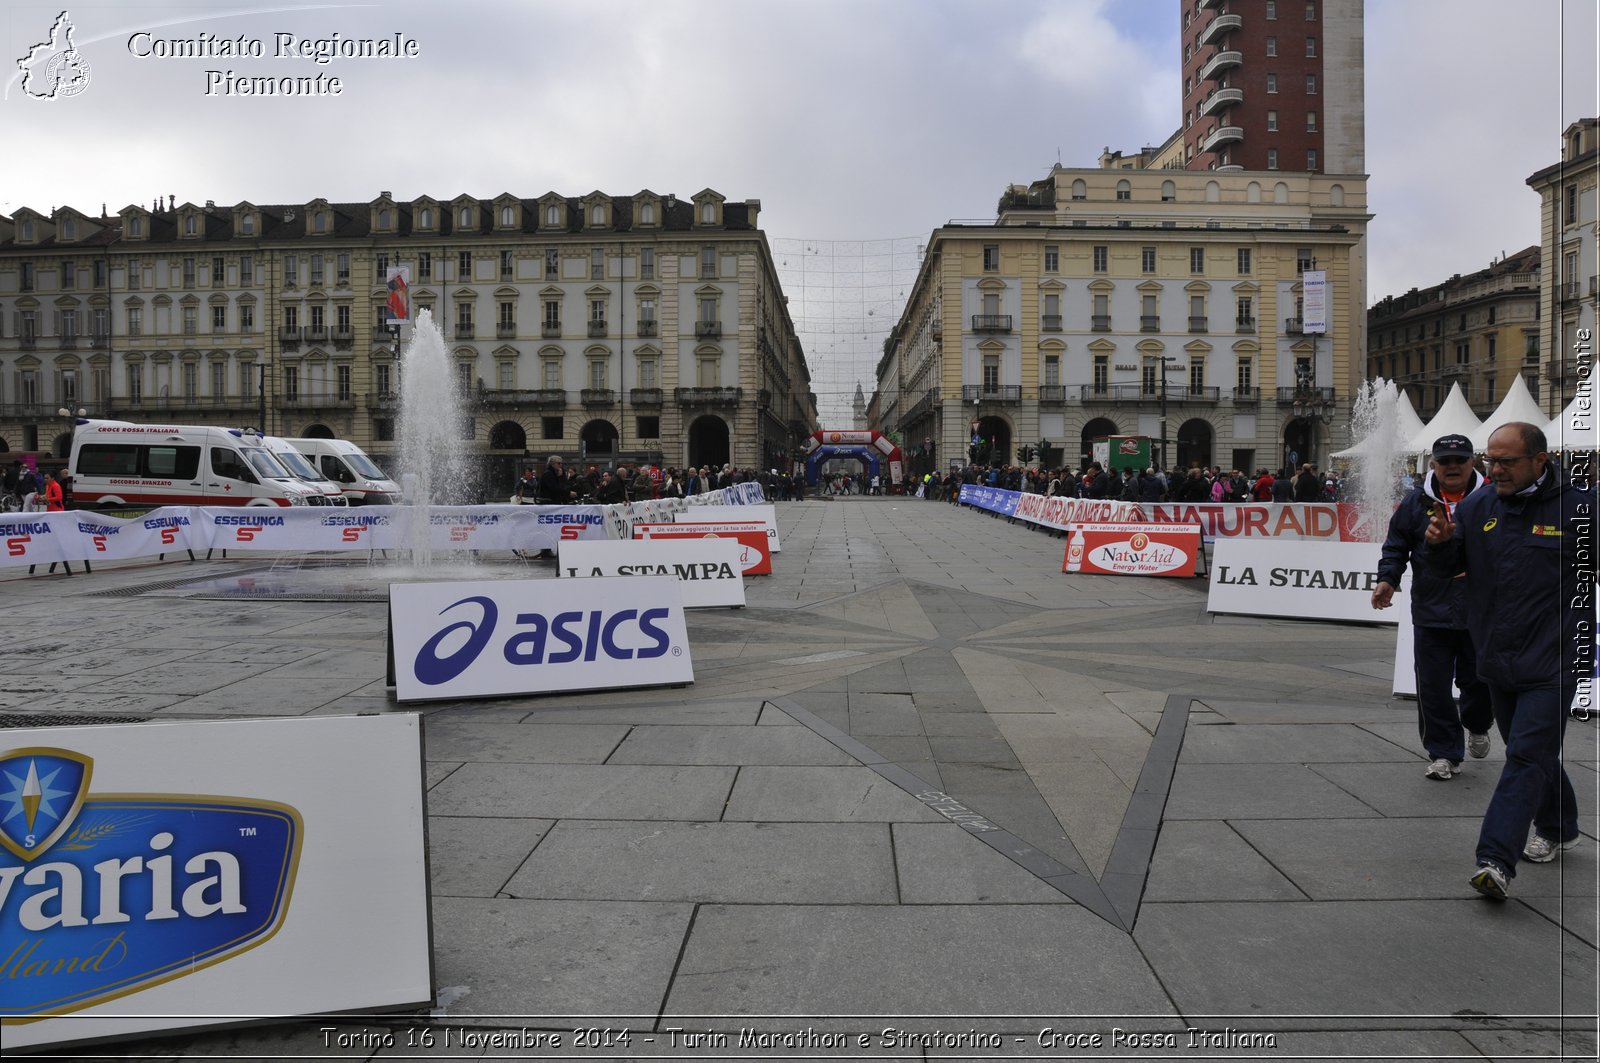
[(304, 471), (118, 463), (347, 465)]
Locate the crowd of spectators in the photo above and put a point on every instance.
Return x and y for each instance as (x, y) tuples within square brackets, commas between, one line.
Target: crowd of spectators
[(562, 485), (1195, 484)]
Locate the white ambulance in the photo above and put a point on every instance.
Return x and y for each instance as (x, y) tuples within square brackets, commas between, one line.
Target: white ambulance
[(347, 465), (117, 463), (304, 471)]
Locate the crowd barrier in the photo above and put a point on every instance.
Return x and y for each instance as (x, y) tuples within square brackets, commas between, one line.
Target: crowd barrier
[(85, 535), (1322, 521)]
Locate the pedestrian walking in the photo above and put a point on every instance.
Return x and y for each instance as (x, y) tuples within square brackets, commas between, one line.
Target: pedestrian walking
[(1526, 547), (1442, 649)]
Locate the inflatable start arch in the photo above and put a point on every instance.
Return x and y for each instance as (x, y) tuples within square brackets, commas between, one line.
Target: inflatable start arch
[(868, 447)]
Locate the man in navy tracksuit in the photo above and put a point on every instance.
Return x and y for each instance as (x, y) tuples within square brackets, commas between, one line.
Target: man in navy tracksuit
[(1527, 548), (1442, 648)]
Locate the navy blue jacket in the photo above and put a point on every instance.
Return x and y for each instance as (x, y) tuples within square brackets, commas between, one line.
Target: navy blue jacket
[(1436, 600), (1530, 581)]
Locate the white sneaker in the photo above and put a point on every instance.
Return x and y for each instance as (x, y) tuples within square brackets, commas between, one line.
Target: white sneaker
[(1542, 850), (1477, 746), (1440, 769), (1490, 881)]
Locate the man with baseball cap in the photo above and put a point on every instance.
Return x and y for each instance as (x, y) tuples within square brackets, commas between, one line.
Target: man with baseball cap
[(1442, 649)]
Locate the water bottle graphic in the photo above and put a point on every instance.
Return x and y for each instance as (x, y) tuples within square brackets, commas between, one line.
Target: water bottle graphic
[(1074, 551)]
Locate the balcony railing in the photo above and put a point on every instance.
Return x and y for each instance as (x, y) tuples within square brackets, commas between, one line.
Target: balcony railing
[(505, 330), (1050, 323), (991, 322), (598, 397), (1007, 394), (465, 332), (381, 400), (709, 396), (344, 338), (1198, 324), (1149, 323), (1456, 370), (645, 396), (1221, 100), (69, 342), (313, 402), (597, 328), (289, 337), (1246, 396), (550, 330), (1100, 322), (1228, 134), (1306, 393), (316, 335), (647, 327), (1244, 324), (922, 406), (1220, 25), (28, 341), (1118, 393), (707, 330), (1294, 326), (1220, 62), (1052, 394)]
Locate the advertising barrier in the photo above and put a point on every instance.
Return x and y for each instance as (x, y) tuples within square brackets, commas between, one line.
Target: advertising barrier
[(708, 571), (1312, 581), (173, 875), (1318, 521), (754, 558), (766, 515), (489, 638), (1132, 549), (84, 535)]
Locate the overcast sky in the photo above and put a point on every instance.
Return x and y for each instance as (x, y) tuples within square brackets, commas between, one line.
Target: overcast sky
[(859, 124)]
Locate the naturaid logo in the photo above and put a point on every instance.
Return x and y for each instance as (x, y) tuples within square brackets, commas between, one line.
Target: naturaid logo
[(54, 69)]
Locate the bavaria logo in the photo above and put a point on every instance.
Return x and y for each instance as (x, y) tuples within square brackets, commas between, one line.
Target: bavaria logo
[(138, 889), (582, 635)]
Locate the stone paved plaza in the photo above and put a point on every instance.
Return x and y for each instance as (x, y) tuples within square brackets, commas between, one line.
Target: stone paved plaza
[(924, 781)]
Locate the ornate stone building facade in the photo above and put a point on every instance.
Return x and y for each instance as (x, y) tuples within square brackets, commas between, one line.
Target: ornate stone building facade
[(599, 327)]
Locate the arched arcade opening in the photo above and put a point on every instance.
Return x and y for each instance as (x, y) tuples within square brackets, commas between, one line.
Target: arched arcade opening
[(708, 442)]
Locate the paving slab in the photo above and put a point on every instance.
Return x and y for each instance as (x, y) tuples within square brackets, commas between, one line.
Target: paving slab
[(560, 963), (475, 856), (846, 795), (700, 744), (462, 739), (949, 961), (1267, 791), (732, 863), (945, 864), (581, 791), (1207, 860), (1289, 743), (1227, 959)]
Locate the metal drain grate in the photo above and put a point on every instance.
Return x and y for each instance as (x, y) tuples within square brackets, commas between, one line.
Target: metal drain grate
[(62, 719)]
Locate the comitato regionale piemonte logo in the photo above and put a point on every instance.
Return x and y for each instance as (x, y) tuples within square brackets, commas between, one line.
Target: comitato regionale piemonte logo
[(54, 69)]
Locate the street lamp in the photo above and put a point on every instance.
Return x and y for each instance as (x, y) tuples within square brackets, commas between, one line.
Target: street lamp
[(1166, 360)]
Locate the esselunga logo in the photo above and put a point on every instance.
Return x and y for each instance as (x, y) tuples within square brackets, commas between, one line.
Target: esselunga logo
[(103, 895)]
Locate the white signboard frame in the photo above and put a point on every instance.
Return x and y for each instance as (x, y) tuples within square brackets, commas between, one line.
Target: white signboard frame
[(353, 931), (764, 513), (708, 571), (494, 638), (1303, 579)]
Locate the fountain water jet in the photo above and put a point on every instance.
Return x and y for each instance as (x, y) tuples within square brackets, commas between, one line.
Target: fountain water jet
[(1379, 455), (434, 466)]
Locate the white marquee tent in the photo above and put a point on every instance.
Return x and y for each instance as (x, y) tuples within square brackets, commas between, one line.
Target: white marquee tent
[(1409, 425), (1518, 405), (1455, 417), (1560, 433)]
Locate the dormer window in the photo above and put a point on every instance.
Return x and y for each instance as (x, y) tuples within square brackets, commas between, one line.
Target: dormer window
[(135, 227), (598, 215), (191, 225), (552, 215), (708, 213), (647, 214), (69, 229), (466, 217), (425, 219), (319, 222), (27, 231), (247, 224), (507, 216), (385, 219)]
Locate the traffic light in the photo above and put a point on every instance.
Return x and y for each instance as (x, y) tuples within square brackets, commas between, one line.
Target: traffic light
[(1024, 454)]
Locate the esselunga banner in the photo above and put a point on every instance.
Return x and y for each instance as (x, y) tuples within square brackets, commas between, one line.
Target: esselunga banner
[(164, 876), (84, 535), (1128, 549), (494, 638), (1311, 581)]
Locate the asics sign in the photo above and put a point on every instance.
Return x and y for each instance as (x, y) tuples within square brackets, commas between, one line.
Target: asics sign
[(490, 638)]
